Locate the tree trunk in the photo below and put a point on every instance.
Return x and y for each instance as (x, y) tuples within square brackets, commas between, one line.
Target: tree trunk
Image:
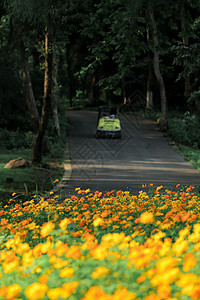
[(158, 74), (149, 100), (149, 97), (38, 141), (92, 92), (72, 89), (30, 98), (55, 98), (185, 41)]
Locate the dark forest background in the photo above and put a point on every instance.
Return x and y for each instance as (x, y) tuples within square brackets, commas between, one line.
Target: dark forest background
[(58, 54)]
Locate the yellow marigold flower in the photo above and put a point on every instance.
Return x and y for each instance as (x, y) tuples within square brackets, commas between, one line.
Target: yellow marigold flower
[(99, 253), (10, 243), (59, 263), (68, 289), (166, 248), (54, 293), (46, 247), (36, 291), (47, 228), (159, 235), (97, 222), (118, 237), (27, 258), (13, 291), (194, 237), (37, 250), (168, 277), (9, 267), (187, 279), (196, 247), (159, 188), (51, 193), (180, 246), (23, 248), (146, 217), (166, 263), (184, 232), (66, 272), (64, 223), (100, 272)]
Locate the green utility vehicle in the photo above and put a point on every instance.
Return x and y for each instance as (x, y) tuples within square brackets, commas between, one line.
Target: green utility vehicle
[(108, 123)]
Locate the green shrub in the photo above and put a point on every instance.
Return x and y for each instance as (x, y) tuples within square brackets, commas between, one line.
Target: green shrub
[(186, 130), (15, 139)]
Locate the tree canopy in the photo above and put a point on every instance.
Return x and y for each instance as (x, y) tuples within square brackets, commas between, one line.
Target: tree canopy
[(95, 52)]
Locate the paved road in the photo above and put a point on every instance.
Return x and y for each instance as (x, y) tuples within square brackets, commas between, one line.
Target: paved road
[(142, 156)]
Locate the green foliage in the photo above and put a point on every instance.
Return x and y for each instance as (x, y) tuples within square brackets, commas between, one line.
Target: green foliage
[(15, 139), (191, 155), (185, 131)]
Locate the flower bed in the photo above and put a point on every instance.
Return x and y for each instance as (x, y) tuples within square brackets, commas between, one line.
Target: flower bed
[(102, 246)]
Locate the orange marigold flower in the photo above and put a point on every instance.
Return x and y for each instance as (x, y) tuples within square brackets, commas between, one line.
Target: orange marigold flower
[(73, 252), (118, 192), (68, 288), (13, 291), (141, 278), (36, 291), (100, 272), (105, 213), (164, 291), (123, 293), (196, 292), (193, 217), (95, 292), (189, 261), (43, 278)]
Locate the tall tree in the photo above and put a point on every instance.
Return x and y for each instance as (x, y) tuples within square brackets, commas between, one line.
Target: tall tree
[(185, 41), (39, 138), (30, 98), (157, 68)]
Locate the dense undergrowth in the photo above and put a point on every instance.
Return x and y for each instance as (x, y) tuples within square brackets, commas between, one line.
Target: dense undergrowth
[(102, 246)]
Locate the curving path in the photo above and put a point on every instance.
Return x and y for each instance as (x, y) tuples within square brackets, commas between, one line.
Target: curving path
[(142, 156)]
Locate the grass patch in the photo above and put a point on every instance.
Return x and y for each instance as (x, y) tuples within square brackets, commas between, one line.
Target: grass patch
[(27, 180), (191, 155)]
